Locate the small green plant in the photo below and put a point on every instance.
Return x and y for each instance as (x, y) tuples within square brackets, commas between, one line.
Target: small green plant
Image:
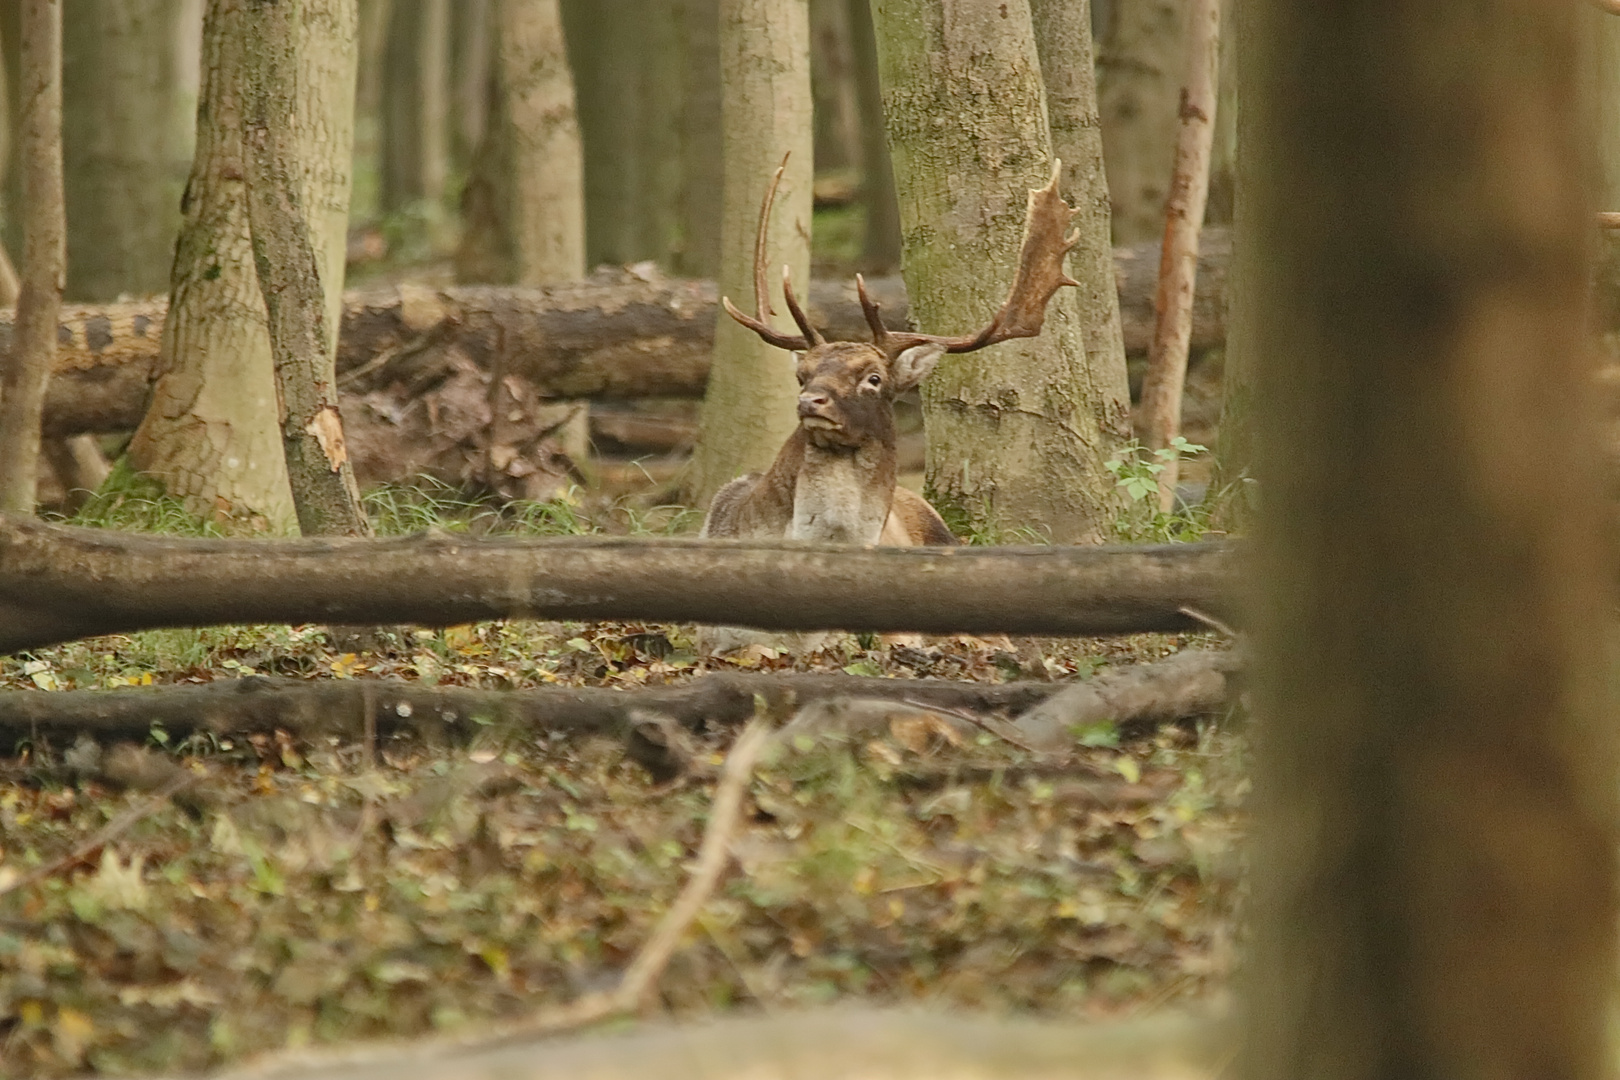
[(1136, 473)]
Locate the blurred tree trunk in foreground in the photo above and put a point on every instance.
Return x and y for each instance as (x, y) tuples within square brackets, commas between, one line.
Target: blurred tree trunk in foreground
[(1435, 850), (210, 433), (123, 143), (24, 376), (752, 402), (1017, 434)]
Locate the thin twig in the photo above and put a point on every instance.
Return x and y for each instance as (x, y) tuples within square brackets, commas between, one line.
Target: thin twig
[(983, 723), (108, 832), (1609, 219), (1208, 620), (642, 976)]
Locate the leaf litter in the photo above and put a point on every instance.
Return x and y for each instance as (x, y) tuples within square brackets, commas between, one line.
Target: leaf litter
[(291, 893)]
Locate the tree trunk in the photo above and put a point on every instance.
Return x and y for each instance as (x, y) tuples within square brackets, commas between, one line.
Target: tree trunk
[(1178, 265), (400, 183), (471, 57), (604, 53), (1435, 852), (661, 82), (1017, 435), (123, 144), (1233, 495), (1139, 68), (752, 401), (832, 81), (702, 151), (548, 196), (371, 64), (880, 249), (58, 583), (25, 375), (211, 433), (299, 68), (1063, 37)]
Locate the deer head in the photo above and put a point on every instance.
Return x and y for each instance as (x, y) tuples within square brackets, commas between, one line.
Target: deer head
[(847, 388)]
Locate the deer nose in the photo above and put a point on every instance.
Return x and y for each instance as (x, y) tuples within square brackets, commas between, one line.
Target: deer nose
[(812, 404)]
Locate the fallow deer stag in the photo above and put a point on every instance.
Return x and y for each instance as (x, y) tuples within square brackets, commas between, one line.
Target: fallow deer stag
[(834, 478)]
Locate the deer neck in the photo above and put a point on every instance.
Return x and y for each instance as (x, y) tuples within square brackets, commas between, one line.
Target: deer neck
[(842, 495)]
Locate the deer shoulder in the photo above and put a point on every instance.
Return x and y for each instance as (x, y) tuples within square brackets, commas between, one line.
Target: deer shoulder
[(834, 478)]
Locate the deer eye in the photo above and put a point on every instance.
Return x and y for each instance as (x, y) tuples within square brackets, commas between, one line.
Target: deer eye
[(874, 380)]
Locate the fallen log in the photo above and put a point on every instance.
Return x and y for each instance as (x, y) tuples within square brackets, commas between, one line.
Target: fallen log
[(873, 1044), (59, 583), (618, 334), (441, 715), (1190, 683)]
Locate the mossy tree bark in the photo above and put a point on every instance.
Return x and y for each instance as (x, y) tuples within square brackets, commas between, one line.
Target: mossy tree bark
[(24, 377), (751, 406), (1435, 852), (1139, 83), (124, 145), (1017, 434), (297, 52), (210, 433), (1068, 70)]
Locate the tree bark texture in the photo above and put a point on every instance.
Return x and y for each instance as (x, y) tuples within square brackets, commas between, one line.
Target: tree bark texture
[(1068, 69), (211, 432), (751, 405), (27, 370), (1434, 885), (618, 334), (59, 583), (880, 250), (1139, 68), (1178, 264), (1017, 434), (124, 144), (299, 67)]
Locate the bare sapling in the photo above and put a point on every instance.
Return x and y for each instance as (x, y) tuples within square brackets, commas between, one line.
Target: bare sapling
[(834, 478), (24, 376), (1178, 261)]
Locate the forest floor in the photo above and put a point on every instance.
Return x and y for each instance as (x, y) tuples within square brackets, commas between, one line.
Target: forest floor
[(295, 893)]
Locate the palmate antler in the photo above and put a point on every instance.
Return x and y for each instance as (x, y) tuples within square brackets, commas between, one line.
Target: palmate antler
[(1040, 275)]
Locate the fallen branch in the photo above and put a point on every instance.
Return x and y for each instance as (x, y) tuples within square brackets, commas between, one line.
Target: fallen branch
[(59, 583), (105, 835), (641, 977), (446, 715), (1190, 683), (617, 334)]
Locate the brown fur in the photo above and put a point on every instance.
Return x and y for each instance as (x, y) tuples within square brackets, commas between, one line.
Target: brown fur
[(834, 478)]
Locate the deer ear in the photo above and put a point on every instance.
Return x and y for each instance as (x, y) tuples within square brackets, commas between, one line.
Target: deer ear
[(913, 366)]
